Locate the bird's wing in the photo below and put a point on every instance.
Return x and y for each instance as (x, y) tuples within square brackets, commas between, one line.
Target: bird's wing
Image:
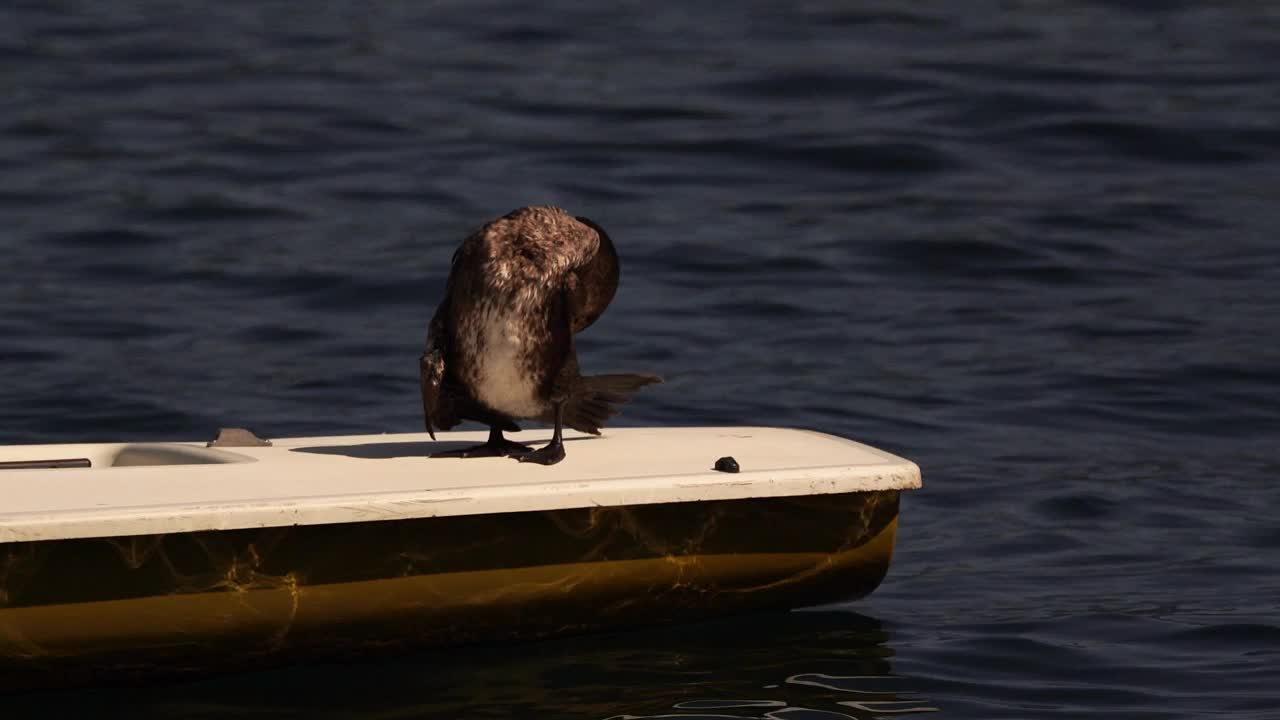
[(445, 402), (438, 407)]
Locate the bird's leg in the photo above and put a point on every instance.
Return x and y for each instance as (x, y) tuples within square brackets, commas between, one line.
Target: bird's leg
[(495, 446), (552, 452)]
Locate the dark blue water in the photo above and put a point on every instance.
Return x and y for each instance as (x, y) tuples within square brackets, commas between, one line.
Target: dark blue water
[(1030, 245)]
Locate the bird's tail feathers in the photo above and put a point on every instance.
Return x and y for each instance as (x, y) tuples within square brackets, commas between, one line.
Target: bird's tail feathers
[(595, 399)]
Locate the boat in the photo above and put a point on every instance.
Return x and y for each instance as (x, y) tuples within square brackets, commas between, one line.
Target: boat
[(145, 557)]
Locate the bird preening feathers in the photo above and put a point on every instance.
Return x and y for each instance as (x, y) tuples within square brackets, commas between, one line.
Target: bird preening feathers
[(500, 346)]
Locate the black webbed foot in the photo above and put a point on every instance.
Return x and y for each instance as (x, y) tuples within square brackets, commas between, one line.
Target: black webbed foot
[(550, 454), (495, 446)]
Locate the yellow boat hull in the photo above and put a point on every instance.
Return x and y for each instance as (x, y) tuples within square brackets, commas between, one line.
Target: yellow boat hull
[(211, 599)]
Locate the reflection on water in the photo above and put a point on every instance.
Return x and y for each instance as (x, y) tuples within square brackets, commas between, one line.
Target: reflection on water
[(872, 701), (807, 664)]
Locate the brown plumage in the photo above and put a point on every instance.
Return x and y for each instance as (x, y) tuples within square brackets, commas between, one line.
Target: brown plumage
[(500, 346)]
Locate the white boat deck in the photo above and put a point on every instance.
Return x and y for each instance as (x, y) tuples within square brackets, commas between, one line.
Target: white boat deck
[(318, 480)]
